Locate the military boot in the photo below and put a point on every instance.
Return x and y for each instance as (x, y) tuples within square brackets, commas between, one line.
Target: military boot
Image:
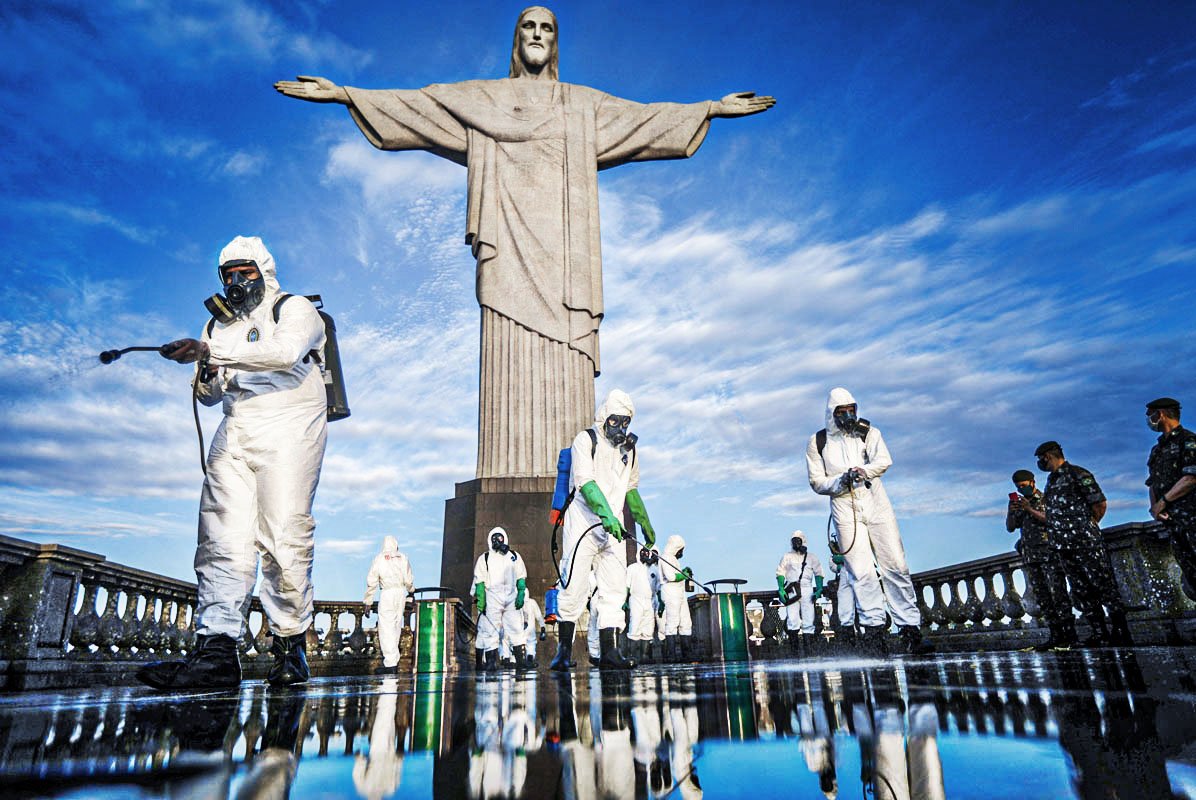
[(873, 640), (912, 641), (212, 664), (290, 660), (563, 660), (611, 658), (1119, 630), (1100, 634)]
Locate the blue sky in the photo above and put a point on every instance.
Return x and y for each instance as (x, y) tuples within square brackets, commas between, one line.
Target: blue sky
[(977, 217)]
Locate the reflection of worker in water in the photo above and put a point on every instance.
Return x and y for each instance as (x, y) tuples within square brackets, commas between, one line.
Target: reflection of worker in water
[(887, 768), (645, 722), (610, 697), (486, 778), (817, 744), (682, 731), (379, 774)]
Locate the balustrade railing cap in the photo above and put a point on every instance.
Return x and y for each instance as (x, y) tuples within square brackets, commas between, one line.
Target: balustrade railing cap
[(20, 547)]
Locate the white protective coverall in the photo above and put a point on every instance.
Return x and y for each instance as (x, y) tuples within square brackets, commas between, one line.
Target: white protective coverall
[(863, 523), (676, 606), (533, 621), (379, 775), (500, 572), (264, 462), (643, 583), (616, 473), (794, 566), (844, 596), (390, 576)]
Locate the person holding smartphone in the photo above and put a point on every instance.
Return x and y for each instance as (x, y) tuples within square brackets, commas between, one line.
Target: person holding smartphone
[(1040, 563)]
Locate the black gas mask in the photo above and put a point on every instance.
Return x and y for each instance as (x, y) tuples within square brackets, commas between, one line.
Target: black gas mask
[(498, 543), (648, 557), (799, 546), (241, 293), (846, 420), (615, 429)]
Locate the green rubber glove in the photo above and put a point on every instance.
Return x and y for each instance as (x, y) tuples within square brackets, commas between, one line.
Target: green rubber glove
[(520, 593), (479, 592), (686, 574), (781, 587), (597, 503), (839, 559), (636, 504), (817, 586), (627, 601)]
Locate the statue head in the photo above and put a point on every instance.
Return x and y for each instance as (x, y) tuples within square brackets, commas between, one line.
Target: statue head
[(534, 51)]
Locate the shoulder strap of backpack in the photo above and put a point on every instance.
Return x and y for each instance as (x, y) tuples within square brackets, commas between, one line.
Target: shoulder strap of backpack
[(593, 441), (211, 326), (282, 298), (820, 440)]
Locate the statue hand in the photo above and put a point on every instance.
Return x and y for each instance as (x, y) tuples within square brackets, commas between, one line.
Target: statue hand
[(313, 89), (741, 104)]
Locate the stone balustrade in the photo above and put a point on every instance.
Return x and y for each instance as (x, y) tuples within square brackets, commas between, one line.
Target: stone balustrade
[(72, 618)]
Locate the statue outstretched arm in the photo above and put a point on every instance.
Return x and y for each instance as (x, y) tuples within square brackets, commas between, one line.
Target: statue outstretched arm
[(738, 104), (314, 89)]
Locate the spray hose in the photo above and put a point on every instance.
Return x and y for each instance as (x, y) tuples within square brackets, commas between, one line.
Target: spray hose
[(629, 534), (108, 356)]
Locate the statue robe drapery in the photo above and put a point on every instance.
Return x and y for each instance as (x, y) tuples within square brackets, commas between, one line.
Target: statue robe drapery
[(533, 149)]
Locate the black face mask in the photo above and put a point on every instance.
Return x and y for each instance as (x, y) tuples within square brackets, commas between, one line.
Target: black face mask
[(681, 553), (846, 421), (1154, 421), (499, 544), (615, 429), (1043, 465), (241, 294), (1028, 489)]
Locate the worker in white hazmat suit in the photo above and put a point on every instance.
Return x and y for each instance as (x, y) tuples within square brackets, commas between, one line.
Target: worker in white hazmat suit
[(845, 461), (801, 567), (604, 474), (262, 470), (678, 627), (500, 586), (533, 629), (643, 589), (390, 577)]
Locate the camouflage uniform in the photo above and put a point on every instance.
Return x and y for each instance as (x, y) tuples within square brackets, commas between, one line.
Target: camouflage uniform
[(1040, 562), (1173, 457), (1071, 491)]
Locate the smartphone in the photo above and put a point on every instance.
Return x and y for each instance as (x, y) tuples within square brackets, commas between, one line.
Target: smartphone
[(1014, 497)]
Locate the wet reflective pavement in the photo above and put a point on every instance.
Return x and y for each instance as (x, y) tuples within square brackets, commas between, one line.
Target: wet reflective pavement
[(1018, 725)]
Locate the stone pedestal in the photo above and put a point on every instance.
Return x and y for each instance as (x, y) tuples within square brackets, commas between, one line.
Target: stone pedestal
[(521, 506)]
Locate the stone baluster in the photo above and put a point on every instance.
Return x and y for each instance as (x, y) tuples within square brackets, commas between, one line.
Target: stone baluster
[(262, 638), (1011, 604), (147, 630), (973, 609), (111, 629), (334, 641), (357, 639), (169, 640), (994, 610), (185, 622), (955, 608), (86, 630)]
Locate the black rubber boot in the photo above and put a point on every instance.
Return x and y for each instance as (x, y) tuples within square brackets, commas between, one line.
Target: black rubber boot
[(563, 660), (872, 640), (212, 664), (611, 658), (845, 637), (794, 644), (520, 655), (384, 670), (1100, 634), (490, 660), (290, 660), (479, 660), (1119, 630), (912, 641), (670, 654)]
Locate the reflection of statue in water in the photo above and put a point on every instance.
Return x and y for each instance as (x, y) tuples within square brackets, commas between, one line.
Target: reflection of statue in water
[(533, 147)]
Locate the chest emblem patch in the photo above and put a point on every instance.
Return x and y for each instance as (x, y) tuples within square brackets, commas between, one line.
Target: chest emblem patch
[(253, 335)]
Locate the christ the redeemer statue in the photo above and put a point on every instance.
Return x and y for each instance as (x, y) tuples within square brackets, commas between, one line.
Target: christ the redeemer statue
[(533, 147)]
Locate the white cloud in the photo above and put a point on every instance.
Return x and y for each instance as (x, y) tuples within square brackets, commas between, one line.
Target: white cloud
[(241, 163)]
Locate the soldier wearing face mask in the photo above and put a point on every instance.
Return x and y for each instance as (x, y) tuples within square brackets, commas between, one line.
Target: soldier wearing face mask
[(1072, 508), (1172, 466), (1040, 562)]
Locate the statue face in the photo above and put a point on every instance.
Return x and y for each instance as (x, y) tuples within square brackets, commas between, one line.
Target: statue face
[(537, 37)]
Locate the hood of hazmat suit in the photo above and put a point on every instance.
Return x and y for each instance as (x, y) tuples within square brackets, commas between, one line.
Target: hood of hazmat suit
[(252, 248), (837, 397), (617, 402), (671, 547)]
